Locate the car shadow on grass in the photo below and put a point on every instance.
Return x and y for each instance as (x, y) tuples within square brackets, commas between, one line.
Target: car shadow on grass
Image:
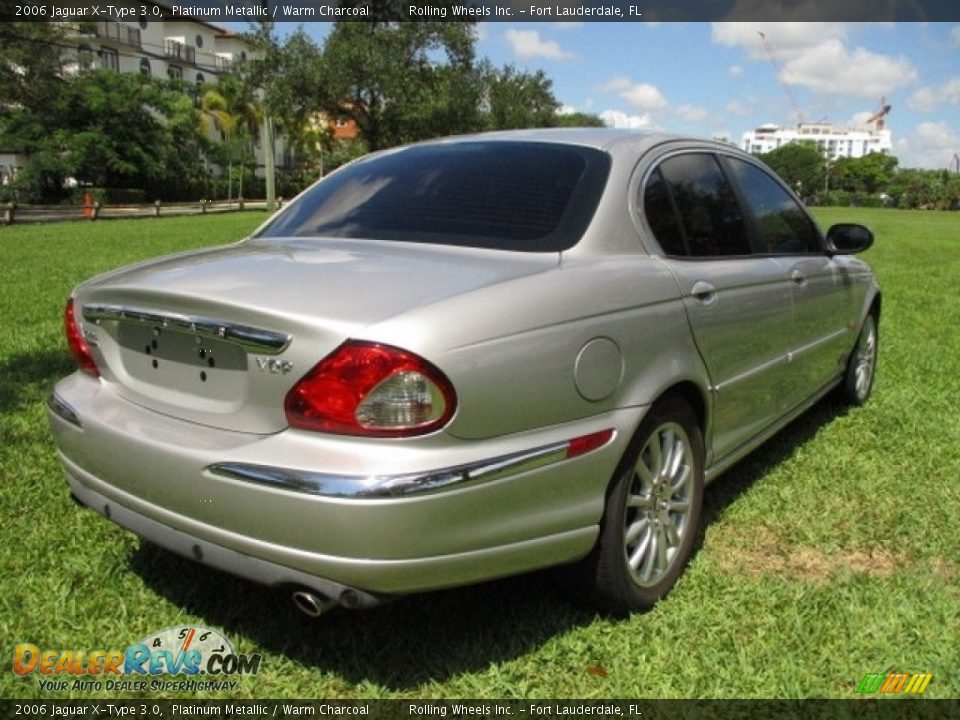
[(27, 377), (738, 480), (430, 637), (401, 645)]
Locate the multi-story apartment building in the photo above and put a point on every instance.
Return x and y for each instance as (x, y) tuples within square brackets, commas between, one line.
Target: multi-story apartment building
[(182, 47), (833, 141)]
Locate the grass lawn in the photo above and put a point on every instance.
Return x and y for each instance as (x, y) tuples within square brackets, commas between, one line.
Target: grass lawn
[(832, 552)]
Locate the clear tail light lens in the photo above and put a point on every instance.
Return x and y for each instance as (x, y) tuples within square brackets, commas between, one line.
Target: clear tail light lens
[(364, 388), (78, 345)]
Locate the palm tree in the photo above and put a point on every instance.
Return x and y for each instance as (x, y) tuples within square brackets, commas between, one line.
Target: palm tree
[(232, 111)]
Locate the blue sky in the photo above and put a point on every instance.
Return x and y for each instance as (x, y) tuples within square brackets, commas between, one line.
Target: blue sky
[(711, 79)]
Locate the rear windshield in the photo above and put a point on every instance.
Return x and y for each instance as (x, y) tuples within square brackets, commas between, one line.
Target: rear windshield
[(528, 197)]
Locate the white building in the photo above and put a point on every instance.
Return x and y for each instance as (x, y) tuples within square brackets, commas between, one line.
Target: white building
[(834, 142), (184, 48)]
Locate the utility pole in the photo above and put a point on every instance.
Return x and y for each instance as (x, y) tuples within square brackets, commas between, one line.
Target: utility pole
[(269, 163)]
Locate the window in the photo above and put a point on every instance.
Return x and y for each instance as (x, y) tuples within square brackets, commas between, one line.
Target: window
[(198, 41), (85, 57), (658, 208), (109, 59), (527, 197), (707, 213), (144, 66), (782, 227), (175, 72)]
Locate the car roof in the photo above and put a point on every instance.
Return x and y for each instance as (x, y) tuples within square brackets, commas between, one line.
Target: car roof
[(600, 138)]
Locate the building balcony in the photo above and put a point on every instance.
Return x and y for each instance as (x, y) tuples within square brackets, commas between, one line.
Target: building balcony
[(176, 50), (110, 30)]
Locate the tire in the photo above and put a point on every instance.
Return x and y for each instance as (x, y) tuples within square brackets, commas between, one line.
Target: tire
[(651, 520), (862, 365)]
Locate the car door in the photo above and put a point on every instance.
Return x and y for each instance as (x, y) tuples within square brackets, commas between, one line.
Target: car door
[(820, 288), (737, 303)]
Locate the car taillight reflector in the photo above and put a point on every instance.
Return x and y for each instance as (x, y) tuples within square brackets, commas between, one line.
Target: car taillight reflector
[(365, 388), (585, 443), (78, 345)]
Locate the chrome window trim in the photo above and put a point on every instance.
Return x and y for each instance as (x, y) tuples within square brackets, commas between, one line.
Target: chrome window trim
[(387, 486), (252, 339)]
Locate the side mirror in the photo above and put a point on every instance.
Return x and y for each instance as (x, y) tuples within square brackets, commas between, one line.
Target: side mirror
[(848, 239)]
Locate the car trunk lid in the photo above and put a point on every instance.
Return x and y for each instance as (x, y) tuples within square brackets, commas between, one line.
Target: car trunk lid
[(218, 337)]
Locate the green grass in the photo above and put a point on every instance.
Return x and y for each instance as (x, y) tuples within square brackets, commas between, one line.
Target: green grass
[(832, 552)]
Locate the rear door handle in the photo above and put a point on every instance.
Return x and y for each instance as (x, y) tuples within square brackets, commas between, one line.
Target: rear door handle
[(704, 292)]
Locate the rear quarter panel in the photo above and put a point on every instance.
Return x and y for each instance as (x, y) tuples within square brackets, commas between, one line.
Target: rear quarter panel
[(510, 350)]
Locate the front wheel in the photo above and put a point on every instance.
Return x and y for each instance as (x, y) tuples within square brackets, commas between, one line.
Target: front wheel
[(652, 516)]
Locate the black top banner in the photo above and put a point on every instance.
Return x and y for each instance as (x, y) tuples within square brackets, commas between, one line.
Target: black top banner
[(215, 11)]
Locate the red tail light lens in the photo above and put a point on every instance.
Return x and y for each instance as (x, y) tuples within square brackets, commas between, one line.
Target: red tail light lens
[(78, 345), (364, 388)]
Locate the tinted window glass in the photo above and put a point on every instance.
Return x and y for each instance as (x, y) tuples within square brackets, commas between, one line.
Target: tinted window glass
[(782, 226), (513, 196), (661, 216), (708, 210)]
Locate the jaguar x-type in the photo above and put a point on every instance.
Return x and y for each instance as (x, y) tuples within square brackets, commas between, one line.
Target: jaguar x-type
[(465, 359)]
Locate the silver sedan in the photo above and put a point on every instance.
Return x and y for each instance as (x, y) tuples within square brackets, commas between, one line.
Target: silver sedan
[(465, 359)]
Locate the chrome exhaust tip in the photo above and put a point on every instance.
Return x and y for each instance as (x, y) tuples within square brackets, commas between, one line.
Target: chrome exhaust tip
[(311, 604)]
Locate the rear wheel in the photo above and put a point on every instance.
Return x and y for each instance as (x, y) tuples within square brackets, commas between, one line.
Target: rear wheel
[(651, 521), (862, 365)]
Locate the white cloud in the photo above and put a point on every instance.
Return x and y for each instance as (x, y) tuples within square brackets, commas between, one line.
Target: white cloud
[(566, 110), (930, 145), (930, 98), (833, 69), (735, 70), (616, 84), (817, 56), (617, 119), (642, 96), (528, 44), (785, 39), (691, 113), (645, 97)]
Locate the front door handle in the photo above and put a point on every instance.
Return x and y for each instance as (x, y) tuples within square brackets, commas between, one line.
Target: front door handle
[(704, 292)]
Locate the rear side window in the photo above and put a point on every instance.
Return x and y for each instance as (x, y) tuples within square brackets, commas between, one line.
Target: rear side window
[(707, 212), (529, 197), (781, 225)]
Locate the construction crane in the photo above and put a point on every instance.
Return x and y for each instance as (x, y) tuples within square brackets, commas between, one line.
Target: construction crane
[(880, 114), (776, 72)]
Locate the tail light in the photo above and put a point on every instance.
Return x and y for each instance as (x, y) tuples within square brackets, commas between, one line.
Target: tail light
[(365, 388), (78, 345)]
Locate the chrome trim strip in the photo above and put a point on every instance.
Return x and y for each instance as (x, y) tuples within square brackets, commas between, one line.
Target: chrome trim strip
[(63, 410), (252, 339), (387, 486)]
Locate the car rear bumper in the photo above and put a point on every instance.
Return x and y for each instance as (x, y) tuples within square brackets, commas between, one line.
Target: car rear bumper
[(183, 487)]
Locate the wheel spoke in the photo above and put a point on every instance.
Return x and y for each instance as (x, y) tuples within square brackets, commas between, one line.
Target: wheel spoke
[(646, 476), (649, 557), (680, 482), (633, 532), (671, 533), (661, 550), (641, 552), (644, 502)]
